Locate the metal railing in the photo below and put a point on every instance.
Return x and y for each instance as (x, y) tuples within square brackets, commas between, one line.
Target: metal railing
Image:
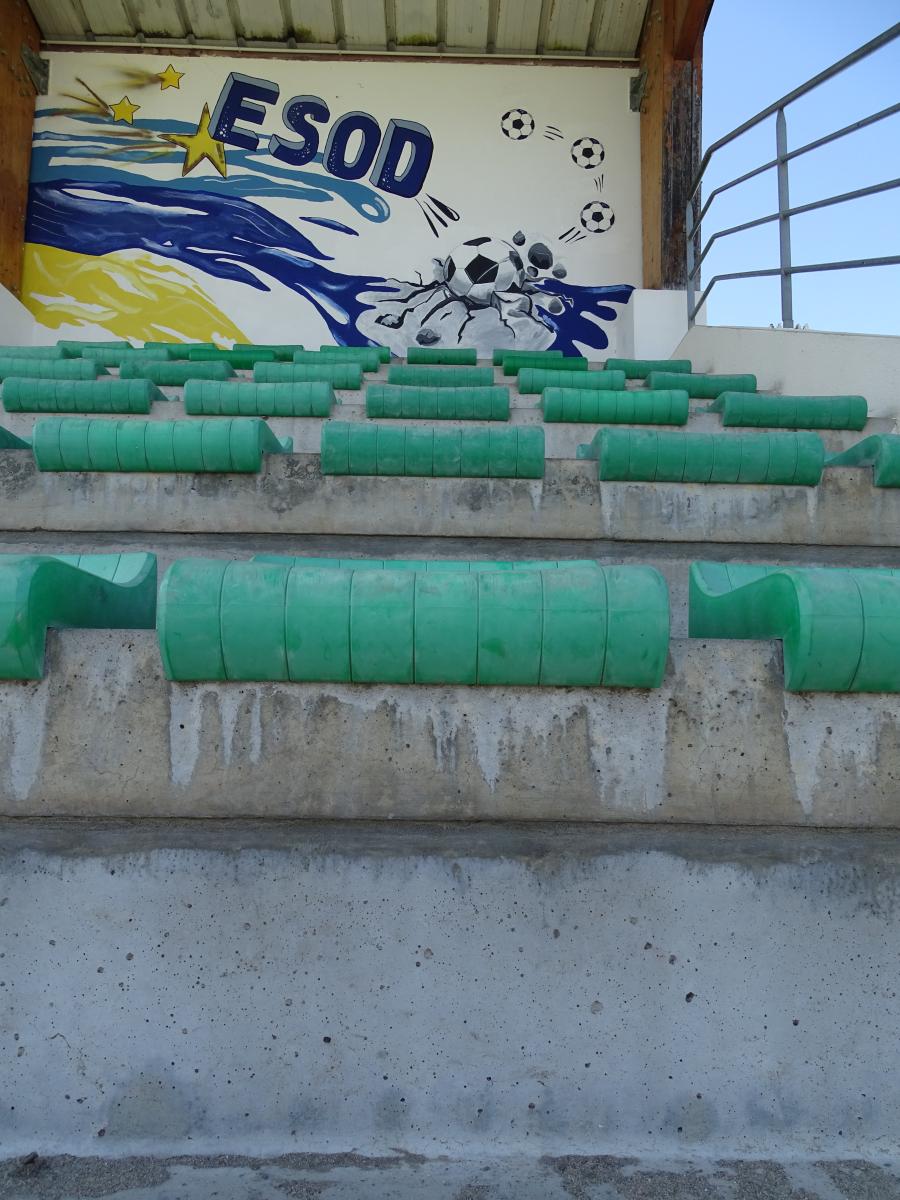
[(786, 268)]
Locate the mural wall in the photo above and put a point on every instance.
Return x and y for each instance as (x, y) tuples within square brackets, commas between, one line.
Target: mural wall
[(208, 198)]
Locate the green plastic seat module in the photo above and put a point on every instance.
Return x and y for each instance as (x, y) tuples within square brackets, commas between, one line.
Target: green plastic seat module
[(840, 627), (90, 591), (573, 626), (175, 372), (366, 357), (441, 376), (514, 363), (640, 368), (105, 395), (384, 354), (880, 450), (541, 355), (624, 408), (660, 457), (533, 380), (206, 399), (438, 404), (701, 387), (50, 368), (791, 412), (231, 444), (345, 376), (357, 448), (461, 356)]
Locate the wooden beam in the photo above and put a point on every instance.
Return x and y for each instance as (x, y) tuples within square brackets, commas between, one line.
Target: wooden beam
[(17, 29), (690, 21), (670, 134)]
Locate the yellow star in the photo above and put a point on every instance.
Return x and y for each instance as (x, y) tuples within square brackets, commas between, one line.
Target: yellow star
[(124, 110), (169, 78), (200, 145)]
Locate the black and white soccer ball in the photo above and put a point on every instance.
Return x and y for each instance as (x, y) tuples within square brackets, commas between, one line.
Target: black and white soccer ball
[(587, 153), (517, 124), (597, 217), (480, 267)]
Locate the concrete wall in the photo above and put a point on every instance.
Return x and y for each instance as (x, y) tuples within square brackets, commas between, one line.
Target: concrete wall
[(801, 362), (266, 988), (291, 496), (104, 735)]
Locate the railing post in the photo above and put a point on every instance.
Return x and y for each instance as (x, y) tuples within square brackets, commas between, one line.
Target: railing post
[(689, 259), (784, 222)]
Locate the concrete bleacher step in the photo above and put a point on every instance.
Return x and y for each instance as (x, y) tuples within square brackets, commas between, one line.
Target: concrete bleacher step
[(562, 439), (290, 495), (671, 559), (719, 742)]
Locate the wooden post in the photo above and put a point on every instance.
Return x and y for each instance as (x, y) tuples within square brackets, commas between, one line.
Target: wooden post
[(17, 93), (671, 55)]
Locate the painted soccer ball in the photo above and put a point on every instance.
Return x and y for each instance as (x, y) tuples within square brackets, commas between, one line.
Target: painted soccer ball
[(479, 268), (588, 153), (517, 124), (597, 217)]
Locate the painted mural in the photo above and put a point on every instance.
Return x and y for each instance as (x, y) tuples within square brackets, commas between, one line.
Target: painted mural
[(333, 202)]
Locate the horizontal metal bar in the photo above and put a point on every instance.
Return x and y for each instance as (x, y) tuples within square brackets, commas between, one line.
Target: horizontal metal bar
[(883, 39), (891, 111), (850, 264), (873, 190), (858, 194), (886, 260)]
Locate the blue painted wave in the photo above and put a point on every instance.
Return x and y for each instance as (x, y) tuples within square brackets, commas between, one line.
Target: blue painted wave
[(227, 236), (224, 236)]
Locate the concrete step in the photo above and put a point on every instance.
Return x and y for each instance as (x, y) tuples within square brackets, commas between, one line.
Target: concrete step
[(721, 742), (411, 994), (672, 559), (404, 1176), (561, 439), (291, 496)]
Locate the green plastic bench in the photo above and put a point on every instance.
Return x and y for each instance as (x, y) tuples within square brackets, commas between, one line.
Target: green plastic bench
[(357, 448), (460, 356), (701, 387), (438, 404), (283, 351), (514, 363), (207, 399), (540, 355), (80, 395), (440, 376), (343, 352), (533, 380), (52, 352), (791, 412), (615, 407), (879, 450), (345, 376), (367, 357), (574, 626), (50, 368), (89, 591), (651, 456), (84, 349), (640, 368), (840, 627), (176, 373), (234, 444)]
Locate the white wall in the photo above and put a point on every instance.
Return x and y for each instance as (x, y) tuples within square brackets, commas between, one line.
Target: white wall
[(800, 362), (18, 325)]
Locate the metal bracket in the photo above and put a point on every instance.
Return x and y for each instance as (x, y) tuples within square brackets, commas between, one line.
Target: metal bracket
[(38, 68), (636, 91)]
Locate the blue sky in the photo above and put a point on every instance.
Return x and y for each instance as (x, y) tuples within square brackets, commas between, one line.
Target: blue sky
[(753, 54)]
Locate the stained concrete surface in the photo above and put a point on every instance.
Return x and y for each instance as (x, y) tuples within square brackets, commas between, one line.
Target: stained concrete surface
[(460, 992), (290, 495), (402, 1176), (104, 734)]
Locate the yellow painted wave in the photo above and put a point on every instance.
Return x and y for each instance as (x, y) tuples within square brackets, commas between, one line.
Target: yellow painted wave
[(129, 293)]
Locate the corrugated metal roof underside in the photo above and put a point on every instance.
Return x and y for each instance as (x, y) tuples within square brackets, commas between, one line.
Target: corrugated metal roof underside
[(551, 28)]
